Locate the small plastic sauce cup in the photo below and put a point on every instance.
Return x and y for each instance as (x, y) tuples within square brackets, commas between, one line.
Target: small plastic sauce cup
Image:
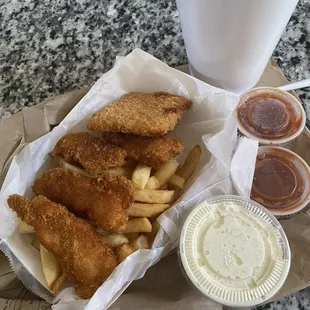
[(281, 181), (270, 115), (234, 251)]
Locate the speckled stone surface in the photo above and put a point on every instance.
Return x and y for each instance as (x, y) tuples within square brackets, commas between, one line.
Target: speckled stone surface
[(48, 47)]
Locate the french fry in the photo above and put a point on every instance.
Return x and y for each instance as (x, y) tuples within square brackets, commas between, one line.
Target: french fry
[(155, 228), (58, 284), (130, 163), (165, 186), (153, 233), (165, 172), (63, 164), (36, 244), (140, 176), (152, 219), (147, 209), (190, 163), (132, 236), (152, 183), (141, 224), (24, 228), (116, 240), (154, 196), (142, 242), (51, 268), (120, 171), (176, 182), (177, 194), (123, 251)]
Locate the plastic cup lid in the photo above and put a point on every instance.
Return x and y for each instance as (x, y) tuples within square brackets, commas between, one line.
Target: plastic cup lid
[(281, 181), (234, 251), (270, 115)]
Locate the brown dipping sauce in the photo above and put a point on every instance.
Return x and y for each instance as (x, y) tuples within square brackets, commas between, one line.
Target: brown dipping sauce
[(278, 183), (268, 115)]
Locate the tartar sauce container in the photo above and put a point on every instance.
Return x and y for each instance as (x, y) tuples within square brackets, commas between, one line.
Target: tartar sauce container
[(281, 181), (270, 115), (234, 251)]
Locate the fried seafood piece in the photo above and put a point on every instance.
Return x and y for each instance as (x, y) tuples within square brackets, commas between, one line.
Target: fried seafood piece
[(145, 114), (93, 153), (104, 200), (151, 151), (82, 253)]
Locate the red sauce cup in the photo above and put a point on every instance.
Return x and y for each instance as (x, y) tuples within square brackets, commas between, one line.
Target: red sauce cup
[(270, 115), (281, 181)]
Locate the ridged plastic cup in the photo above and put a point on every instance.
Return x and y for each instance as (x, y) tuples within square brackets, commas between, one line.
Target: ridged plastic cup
[(234, 251), (298, 196), (287, 116)]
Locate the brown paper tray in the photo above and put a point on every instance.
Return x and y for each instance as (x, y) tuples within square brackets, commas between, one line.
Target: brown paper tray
[(163, 286)]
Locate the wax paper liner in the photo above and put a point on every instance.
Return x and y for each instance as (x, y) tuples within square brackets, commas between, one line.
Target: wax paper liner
[(226, 167)]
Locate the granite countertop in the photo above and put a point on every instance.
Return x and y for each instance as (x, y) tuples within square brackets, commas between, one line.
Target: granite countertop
[(49, 47)]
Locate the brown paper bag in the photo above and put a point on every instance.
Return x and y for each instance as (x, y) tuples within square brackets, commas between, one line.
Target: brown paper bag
[(163, 286)]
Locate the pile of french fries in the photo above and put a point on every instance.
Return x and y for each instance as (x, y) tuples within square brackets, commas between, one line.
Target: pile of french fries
[(155, 192)]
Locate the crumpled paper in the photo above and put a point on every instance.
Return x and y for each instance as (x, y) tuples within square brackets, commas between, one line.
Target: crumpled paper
[(226, 167)]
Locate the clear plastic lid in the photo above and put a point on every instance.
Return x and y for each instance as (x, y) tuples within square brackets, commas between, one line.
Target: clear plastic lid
[(281, 180), (234, 251), (270, 115)]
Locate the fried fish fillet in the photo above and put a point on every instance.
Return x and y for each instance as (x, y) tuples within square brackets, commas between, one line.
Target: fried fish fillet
[(151, 151), (93, 153), (145, 114), (104, 200), (82, 253)]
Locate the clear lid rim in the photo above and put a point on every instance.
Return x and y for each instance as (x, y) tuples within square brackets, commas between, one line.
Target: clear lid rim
[(307, 169), (295, 102), (285, 247)]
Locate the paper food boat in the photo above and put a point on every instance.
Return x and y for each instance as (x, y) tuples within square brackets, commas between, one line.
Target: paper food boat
[(226, 167)]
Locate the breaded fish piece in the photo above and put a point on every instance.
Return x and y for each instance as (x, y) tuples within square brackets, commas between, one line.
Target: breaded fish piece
[(151, 151), (104, 200), (92, 153), (145, 114), (82, 253)]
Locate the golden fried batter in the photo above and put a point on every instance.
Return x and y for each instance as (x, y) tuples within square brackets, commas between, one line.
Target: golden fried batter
[(104, 200), (82, 253), (140, 113), (151, 151), (93, 153)]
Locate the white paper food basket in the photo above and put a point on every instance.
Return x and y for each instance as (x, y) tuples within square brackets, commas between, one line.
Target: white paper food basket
[(226, 167)]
